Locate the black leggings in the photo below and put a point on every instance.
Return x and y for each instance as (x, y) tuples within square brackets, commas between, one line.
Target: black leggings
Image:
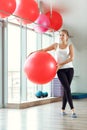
[(65, 76)]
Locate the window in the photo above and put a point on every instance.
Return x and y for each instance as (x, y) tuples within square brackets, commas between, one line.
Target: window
[(31, 46), (13, 63), (18, 91)]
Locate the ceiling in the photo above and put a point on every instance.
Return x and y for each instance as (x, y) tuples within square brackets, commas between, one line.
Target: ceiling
[(50, 5), (74, 18)]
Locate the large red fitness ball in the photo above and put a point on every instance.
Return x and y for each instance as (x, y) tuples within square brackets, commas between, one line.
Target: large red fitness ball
[(27, 10), (56, 20), (40, 67), (7, 7)]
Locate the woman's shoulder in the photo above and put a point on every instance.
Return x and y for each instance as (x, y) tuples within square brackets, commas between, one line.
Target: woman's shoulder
[(70, 45), (56, 45)]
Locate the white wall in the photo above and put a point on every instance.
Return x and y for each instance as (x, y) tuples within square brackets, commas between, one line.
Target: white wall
[(75, 21), (79, 83)]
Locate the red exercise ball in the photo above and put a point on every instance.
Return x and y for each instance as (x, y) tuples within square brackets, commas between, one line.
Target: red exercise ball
[(56, 20), (40, 67), (42, 23), (7, 7), (27, 10)]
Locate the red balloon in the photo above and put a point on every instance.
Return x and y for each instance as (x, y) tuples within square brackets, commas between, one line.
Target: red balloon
[(55, 20), (40, 67), (42, 23), (27, 10), (7, 7)]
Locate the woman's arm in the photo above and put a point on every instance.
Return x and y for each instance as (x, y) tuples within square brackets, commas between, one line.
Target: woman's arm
[(49, 48)]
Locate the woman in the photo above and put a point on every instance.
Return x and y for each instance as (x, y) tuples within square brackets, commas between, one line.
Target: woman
[(65, 71)]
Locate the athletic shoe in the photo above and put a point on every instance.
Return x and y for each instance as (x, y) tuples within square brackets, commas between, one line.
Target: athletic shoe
[(74, 115)]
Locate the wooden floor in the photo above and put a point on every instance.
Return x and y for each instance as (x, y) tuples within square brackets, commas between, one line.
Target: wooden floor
[(44, 117)]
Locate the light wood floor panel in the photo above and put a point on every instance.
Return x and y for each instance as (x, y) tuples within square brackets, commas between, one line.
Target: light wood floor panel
[(44, 117)]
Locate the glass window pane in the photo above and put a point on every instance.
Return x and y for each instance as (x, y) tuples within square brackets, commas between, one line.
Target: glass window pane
[(31, 46), (13, 63)]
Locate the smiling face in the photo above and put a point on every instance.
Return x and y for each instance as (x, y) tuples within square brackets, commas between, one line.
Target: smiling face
[(63, 35)]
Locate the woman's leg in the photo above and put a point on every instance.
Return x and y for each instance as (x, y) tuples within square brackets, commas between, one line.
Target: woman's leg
[(70, 73), (64, 100), (63, 74)]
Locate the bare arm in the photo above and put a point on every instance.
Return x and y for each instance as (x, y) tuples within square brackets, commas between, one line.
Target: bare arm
[(49, 48)]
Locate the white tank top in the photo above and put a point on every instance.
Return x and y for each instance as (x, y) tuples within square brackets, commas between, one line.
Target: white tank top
[(62, 55)]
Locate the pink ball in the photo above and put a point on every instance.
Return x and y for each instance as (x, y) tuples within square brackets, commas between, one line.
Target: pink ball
[(42, 24)]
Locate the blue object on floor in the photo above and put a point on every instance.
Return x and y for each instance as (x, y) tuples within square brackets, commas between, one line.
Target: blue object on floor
[(79, 95), (44, 94), (38, 94)]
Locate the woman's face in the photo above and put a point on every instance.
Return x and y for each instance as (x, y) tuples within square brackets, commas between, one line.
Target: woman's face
[(63, 36)]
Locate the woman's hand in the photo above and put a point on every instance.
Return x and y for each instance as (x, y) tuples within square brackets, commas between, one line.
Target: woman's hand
[(30, 54), (35, 51), (59, 66)]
